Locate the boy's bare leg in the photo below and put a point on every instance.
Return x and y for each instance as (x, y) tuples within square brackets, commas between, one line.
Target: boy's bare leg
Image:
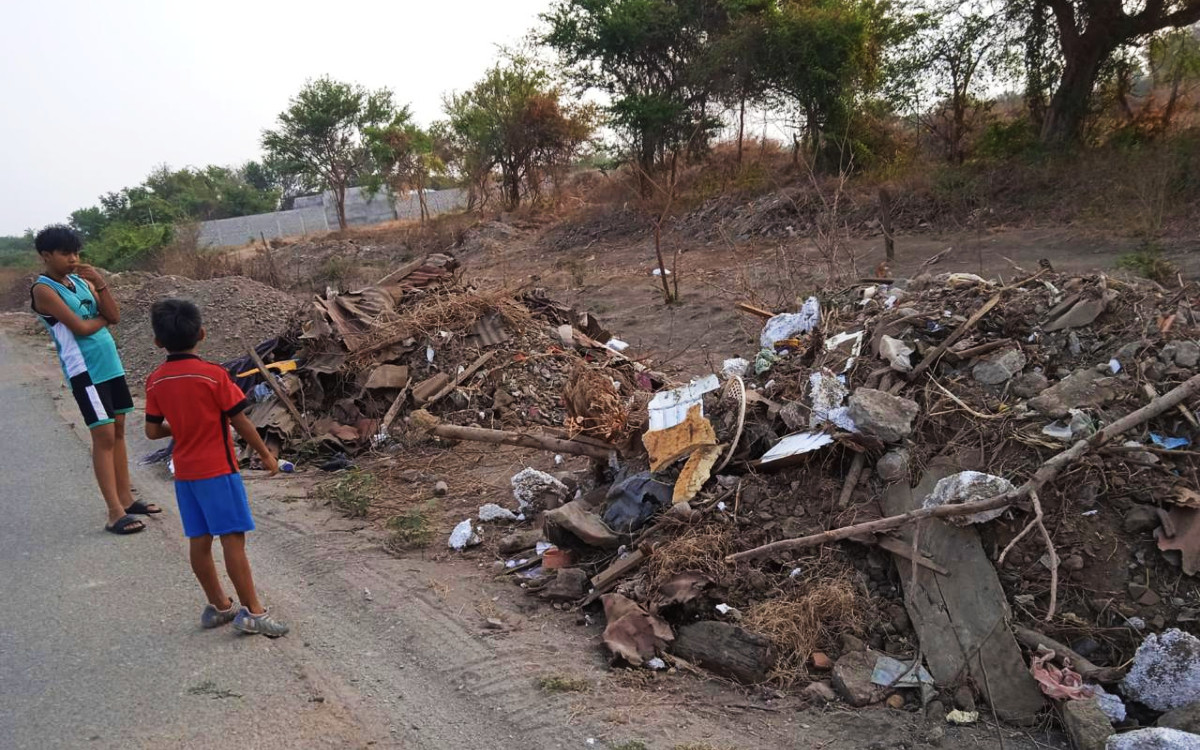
[(237, 565), (121, 464), (200, 552), (103, 452)]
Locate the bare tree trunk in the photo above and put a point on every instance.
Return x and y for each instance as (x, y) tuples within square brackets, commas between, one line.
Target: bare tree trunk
[(1069, 106), (741, 129), (885, 219), (339, 199)]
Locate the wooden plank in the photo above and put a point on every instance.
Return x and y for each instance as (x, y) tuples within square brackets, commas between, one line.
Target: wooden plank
[(962, 620), (461, 378), (897, 547), (394, 410), (756, 311), (609, 577), (279, 392)]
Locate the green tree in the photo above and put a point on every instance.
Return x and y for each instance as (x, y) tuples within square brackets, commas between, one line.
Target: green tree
[(647, 56), (321, 136), (515, 120), (408, 157), (1089, 33)]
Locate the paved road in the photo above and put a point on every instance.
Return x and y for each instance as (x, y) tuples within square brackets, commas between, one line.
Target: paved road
[(100, 645)]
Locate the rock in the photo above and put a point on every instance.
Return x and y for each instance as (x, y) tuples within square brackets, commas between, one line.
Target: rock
[(896, 701), (569, 585), (1187, 354), (537, 489), (1088, 726), (463, 536), (1155, 738), (1166, 671), (820, 692), (1083, 388), (881, 414), (518, 541), (893, 466), (1000, 367), (820, 661), (1073, 562), (852, 643), (1185, 718), (1141, 519), (441, 489), (1149, 599), (568, 480), (1029, 384), (852, 679), (935, 711), (493, 512), (964, 698), (936, 735), (1081, 314), (572, 524), (1137, 590)]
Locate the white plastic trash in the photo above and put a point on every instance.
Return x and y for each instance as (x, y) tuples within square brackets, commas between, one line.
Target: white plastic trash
[(789, 325)]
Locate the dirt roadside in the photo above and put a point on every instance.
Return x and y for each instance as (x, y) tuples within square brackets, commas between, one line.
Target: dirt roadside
[(400, 645)]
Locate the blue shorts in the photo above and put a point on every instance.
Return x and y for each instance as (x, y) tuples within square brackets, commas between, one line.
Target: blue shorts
[(213, 507)]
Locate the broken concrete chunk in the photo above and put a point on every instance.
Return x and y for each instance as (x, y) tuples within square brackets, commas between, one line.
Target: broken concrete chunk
[(1083, 388), (493, 512), (463, 536), (1154, 738), (1082, 313), (1166, 671), (537, 489), (1088, 726), (727, 650), (968, 487), (571, 525), (883, 415), (819, 692), (1187, 354), (852, 679), (1000, 367)]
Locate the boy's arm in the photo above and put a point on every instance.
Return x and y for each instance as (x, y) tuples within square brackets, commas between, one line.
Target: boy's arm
[(106, 303), (47, 302), (249, 433), (157, 430)]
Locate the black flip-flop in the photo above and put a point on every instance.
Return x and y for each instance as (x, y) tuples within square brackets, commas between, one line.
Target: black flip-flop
[(138, 508), (122, 525)]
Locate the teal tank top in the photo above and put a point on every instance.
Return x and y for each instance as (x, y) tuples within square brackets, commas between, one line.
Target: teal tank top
[(94, 356)]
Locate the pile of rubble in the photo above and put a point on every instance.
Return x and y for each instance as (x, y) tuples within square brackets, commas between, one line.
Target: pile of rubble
[(931, 492), (1007, 468)]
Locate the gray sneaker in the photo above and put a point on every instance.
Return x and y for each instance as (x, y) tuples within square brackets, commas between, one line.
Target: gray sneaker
[(262, 624), (212, 617)]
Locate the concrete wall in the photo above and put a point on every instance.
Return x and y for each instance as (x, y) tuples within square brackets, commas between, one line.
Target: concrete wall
[(318, 213)]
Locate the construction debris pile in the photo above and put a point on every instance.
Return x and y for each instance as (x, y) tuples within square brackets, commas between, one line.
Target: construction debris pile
[(946, 493), (929, 492)]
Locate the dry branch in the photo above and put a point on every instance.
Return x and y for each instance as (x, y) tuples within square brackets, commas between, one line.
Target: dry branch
[(504, 437)]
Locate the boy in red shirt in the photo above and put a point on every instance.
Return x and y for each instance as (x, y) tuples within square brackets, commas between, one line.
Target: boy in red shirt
[(196, 402)]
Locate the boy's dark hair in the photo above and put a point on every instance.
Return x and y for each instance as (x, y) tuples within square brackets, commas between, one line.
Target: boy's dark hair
[(57, 237), (176, 324)]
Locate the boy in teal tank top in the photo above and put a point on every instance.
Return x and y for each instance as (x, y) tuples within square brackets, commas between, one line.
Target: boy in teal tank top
[(73, 302)]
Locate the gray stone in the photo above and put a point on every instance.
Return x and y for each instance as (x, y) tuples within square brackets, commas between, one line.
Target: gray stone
[(569, 480), (893, 466), (520, 541), (1154, 738), (1129, 352), (964, 698), (821, 692), (1166, 671), (852, 679), (1141, 519), (1081, 314), (569, 585), (1088, 726), (1029, 384), (1086, 387), (852, 643), (883, 415), (441, 489), (1185, 718), (999, 367), (1187, 354)]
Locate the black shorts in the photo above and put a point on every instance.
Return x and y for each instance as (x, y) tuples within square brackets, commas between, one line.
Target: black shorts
[(100, 403)]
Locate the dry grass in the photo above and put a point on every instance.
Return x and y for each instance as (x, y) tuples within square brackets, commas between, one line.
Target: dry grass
[(596, 407), (560, 683), (701, 548), (803, 622)]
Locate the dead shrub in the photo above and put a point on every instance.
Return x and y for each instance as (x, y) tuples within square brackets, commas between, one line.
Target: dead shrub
[(700, 548)]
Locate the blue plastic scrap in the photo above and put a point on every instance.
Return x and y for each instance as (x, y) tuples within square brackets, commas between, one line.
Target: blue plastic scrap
[(1168, 442)]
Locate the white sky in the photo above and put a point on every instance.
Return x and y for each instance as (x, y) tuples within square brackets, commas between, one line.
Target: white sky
[(96, 94)]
